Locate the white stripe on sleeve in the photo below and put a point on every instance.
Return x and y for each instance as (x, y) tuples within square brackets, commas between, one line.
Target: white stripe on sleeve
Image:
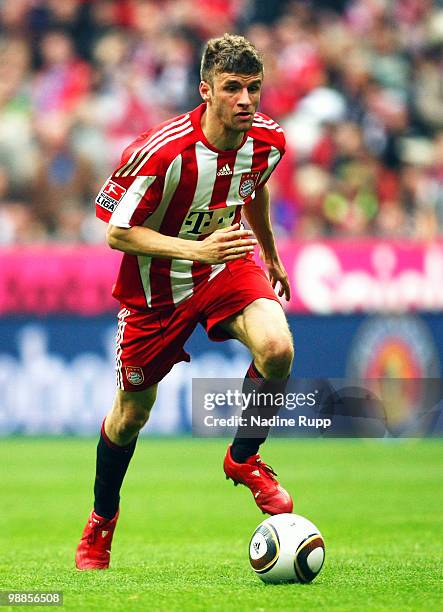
[(124, 211)]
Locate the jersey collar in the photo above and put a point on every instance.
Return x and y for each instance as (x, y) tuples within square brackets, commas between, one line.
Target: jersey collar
[(196, 116)]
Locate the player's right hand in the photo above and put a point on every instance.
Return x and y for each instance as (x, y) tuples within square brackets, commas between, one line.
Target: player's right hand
[(225, 244)]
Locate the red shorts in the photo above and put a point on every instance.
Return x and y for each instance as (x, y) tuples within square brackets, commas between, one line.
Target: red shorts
[(150, 342)]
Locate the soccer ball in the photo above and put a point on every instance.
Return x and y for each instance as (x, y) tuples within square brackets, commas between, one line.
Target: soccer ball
[(286, 548)]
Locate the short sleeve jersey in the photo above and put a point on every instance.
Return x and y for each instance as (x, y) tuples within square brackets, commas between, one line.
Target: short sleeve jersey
[(172, 180)]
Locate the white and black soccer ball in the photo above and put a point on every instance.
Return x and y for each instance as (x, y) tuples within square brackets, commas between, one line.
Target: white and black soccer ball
[(286, 548)]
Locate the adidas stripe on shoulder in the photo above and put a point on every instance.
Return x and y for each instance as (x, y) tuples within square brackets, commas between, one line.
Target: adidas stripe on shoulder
[(174, 130), (269, 131), (262, 121)]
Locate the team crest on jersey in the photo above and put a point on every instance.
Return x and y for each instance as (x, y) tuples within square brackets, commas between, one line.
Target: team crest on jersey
[(110, 196), (248, 181), (134, 374)]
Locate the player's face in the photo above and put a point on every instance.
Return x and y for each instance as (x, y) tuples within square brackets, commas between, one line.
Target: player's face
[(234, 99)]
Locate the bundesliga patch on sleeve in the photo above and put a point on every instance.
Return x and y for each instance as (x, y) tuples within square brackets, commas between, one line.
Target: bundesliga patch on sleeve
[(110, 196)]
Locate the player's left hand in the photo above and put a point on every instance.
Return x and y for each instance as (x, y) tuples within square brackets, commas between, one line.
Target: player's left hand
[(277, 274)]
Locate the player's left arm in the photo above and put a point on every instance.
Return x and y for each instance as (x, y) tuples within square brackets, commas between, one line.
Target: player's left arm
[(257, 214)]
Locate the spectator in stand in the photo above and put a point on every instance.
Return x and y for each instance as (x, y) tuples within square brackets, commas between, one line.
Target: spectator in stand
[(436, 178), (63, 78), (121, 103), (18, 224), (16, 130), (63, 179), (427, 88)]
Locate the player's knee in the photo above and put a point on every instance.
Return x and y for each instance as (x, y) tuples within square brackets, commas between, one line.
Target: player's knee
[(276, 358), (131, 412), (130, 416), (130, 422)]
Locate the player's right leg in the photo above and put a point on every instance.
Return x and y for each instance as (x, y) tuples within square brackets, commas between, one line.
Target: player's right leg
[(149, 343), (115, 448)]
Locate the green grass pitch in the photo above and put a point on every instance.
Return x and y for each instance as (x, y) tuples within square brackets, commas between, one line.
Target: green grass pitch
[(182, 540)]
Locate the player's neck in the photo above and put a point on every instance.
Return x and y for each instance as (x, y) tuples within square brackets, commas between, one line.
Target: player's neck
[(217, 135)]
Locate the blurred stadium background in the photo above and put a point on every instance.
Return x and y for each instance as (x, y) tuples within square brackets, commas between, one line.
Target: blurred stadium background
[(357, 202)]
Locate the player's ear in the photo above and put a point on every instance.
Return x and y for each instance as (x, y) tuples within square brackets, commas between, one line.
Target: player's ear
[(205, 91)]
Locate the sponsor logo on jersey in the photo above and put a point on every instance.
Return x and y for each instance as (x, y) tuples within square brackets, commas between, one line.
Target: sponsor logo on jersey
[(110, 196), (248, 181), (134, 374), (225, 171)]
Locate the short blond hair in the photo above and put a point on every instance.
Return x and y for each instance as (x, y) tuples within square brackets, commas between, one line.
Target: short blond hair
[(230, 53)]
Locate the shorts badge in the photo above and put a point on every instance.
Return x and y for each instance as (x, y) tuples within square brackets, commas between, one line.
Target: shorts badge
[(134, 374)]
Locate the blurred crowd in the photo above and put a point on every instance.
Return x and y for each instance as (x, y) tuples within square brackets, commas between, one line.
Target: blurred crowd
[(357, 85)]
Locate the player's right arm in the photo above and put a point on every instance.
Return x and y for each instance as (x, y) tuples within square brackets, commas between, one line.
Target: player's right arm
[(219, 247)]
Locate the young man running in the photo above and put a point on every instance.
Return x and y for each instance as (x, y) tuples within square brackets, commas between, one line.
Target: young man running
[(174, 208)]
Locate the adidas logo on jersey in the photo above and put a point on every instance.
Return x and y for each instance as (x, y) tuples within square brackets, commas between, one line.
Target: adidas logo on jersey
[(225, 171)]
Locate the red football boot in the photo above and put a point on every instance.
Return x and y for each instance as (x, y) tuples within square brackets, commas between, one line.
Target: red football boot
[(94, 549), (269, 495)]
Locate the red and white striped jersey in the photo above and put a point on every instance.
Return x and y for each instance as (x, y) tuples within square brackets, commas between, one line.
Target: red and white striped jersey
[(172, 180)]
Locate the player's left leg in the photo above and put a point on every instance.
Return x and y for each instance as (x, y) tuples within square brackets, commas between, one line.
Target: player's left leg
[(263, 328)]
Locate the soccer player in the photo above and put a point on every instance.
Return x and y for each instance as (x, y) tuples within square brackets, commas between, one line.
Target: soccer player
[(174, 208)]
